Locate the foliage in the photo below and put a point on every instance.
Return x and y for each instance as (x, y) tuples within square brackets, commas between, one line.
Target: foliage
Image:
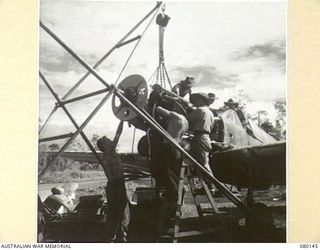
[(280, 106), (54, 147), (78, 145), (271, 130)]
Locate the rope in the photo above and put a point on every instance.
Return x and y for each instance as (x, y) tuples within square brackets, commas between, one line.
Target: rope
[(165, 70), (152, 76), (162, 83), (162, 76), (157, 78)]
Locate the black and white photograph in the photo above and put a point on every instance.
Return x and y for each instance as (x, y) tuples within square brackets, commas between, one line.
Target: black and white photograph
[(162, 122)]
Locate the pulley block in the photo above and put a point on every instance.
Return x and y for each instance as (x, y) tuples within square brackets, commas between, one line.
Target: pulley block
[(135, 89), (162, 19)]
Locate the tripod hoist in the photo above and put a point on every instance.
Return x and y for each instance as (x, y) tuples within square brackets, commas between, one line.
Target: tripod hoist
[(129, 100)]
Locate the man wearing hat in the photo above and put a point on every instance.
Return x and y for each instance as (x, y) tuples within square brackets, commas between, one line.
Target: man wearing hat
[(231, 104), (184, 87), (201, 122), (212, 97), (58, 202)]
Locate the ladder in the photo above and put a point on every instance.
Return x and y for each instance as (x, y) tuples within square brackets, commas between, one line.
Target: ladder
[(174, 233)]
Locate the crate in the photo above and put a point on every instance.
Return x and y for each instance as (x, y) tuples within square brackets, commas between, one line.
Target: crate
[(144, 194)]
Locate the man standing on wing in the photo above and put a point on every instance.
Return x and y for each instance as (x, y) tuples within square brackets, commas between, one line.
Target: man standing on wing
[(201, 122)]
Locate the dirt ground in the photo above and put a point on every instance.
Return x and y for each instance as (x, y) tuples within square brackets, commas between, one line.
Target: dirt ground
[(231, 221), (142, 225)]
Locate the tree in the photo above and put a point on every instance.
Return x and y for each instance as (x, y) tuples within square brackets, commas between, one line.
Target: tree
[(77, 145), (280, 106), (261, 116), (243, 99), (269, 128), (54, 147)]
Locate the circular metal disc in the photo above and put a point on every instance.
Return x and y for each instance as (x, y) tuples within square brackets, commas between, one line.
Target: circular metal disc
[(134, 88)]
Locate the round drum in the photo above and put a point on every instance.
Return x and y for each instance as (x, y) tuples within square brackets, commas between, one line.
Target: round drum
[(135, 89)]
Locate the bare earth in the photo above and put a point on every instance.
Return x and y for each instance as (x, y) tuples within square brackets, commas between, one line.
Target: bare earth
[(274, 198)]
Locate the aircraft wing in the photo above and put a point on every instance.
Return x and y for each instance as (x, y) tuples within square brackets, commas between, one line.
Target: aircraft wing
[(80, 156), (258, 166)]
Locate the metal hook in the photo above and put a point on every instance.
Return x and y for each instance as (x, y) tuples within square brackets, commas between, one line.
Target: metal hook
[(163, 9)]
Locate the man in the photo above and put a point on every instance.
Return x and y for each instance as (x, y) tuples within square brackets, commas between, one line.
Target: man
[(212, 97), (118, 214), (58, 202), (167, 99), (201, 123), (166, 162), (184, 87), (164, 159), (177, 125), (231, 104)]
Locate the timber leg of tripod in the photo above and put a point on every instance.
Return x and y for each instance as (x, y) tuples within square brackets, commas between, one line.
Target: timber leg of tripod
[(179, 203), (192, 189), (163, 207), (210, 197)]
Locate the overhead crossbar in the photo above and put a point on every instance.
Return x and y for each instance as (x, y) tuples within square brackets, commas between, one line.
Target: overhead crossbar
[(128, 41), (98, 92), (53, 138)]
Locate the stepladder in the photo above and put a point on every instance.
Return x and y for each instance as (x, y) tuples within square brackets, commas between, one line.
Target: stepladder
[(188, 180)]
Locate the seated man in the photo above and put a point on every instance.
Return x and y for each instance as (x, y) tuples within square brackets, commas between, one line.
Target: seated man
[(58, 202), (118, 214)]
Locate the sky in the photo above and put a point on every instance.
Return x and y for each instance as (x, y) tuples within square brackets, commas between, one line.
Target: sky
[(229, 47)]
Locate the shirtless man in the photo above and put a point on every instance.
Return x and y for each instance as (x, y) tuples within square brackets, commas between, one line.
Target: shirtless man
[(177, 125), (184, 87), (118, 214)]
